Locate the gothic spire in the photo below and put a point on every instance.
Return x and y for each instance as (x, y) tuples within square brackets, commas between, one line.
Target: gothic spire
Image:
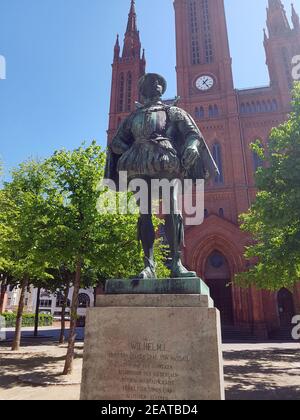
[(117, 49), (132, 44), (131, 25), (277, 20), (127, 69)]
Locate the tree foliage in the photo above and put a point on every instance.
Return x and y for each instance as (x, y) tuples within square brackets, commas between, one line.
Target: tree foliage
[(22, 223), (274, 218)]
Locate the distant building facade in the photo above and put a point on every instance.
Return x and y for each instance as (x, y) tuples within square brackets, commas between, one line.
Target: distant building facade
[(49, 303)]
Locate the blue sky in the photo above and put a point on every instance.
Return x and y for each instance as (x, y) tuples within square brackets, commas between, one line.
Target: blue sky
[(59, 55)]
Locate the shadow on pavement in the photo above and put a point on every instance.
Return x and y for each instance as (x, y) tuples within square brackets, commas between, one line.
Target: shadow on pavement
[(255, 375)]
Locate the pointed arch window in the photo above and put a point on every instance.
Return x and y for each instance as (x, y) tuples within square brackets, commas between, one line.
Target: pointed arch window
[(221, 213), (199, 112), (121, 93), (288, 66), (194, 31), (200, 31), (274, 105), (258, 106), (269, 106), (207, 37), (257, 161), (129, 91), (217, 155), (213, 111)]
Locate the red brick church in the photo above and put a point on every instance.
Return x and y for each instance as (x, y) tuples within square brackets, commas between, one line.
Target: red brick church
[(230, 120)]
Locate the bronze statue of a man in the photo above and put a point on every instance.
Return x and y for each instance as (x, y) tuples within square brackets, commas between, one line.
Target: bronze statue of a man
[(159, 141)]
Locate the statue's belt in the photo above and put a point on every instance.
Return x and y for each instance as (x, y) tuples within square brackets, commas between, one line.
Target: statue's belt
[(163, 141)]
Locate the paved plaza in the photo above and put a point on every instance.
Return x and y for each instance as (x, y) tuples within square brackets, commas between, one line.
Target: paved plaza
[(269, 371)]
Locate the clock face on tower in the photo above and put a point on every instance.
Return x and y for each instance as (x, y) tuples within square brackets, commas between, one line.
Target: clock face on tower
[(204, 83)]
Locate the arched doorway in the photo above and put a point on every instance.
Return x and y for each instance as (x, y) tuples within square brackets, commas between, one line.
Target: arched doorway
[(286, 307), (218, 278)]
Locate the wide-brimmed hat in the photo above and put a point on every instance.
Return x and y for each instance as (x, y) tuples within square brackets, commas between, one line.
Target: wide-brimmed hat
[(152, 76)]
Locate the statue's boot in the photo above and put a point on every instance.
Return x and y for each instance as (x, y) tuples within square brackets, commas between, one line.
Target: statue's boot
[(174, 229), (178, 270), (149, 270), (146, 234)]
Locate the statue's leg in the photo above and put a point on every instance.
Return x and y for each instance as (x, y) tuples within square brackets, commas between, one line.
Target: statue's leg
[(174, 229), (146, 234)]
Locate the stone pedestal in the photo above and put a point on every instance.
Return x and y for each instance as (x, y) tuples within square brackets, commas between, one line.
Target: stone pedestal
[(146, 346)]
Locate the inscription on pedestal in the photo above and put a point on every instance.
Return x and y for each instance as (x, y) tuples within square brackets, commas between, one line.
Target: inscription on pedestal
[(148, 370)]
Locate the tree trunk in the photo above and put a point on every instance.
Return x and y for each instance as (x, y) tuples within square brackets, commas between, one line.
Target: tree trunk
[(37, 307), (2, 297), (17, 339), (72, 335), (63, 316), (95, 296)]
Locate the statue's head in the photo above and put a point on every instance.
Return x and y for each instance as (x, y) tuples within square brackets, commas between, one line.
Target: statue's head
[(152, 86)]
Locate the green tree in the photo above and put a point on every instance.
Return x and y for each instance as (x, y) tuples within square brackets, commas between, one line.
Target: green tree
[(274, 218), (21, 223)]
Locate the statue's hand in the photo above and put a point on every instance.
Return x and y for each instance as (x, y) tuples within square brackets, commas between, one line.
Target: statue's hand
[(190, 155)]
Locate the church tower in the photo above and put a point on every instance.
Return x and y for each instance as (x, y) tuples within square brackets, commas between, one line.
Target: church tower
[(282, 43), (203, 56), (205, 85), (128, 67)]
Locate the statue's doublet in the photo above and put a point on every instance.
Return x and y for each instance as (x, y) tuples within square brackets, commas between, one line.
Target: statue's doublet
[(151, 141), (147, 123), (153, 152)]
